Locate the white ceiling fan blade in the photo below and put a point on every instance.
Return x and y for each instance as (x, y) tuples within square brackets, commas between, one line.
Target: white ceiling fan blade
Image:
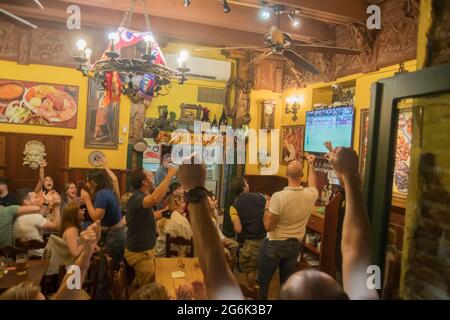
[(12, 15)]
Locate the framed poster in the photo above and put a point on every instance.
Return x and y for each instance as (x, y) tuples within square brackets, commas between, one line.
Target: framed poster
[(102, 122), (291, 144), (363, 141), (37, 103), (402, 153)]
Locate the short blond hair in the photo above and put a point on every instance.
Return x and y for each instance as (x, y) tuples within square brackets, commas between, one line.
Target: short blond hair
[(26, 290), (152, 291)]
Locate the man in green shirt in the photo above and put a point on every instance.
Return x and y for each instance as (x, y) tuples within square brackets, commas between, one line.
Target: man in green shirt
[(7, 216)]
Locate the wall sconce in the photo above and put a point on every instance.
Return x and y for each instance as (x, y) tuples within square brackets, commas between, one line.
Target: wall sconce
[(293, 105)]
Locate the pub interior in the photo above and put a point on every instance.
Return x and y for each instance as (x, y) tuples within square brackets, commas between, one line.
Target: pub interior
[(212, 150)]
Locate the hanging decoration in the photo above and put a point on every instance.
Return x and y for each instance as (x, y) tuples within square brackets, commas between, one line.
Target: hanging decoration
[(139, 79)]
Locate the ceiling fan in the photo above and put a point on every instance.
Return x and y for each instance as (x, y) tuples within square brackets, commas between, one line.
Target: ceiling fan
[(15, 17), (280, 43)]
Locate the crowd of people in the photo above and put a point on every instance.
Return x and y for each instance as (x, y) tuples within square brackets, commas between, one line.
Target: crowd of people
[(132, 228)]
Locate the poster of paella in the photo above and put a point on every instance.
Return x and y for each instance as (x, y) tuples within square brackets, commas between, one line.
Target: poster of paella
[(43, 104), (403, 153)]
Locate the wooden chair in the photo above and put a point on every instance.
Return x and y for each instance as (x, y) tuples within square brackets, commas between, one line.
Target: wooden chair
[(109, 272), (120, 284), (249, 293), (178, 241)]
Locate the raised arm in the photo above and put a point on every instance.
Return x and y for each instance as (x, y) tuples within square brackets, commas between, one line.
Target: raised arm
[(159, 193), (355, 243), (89, 239), (312, 176), (220, 282), (113, 177), (95, 214), (40, 183)]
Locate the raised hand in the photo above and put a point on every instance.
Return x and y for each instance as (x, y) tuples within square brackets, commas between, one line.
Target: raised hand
[(43, 164), (172, 171), (84, 196), (91, 235), (344, 161), (192, 175), (311, 158), (328, 145)]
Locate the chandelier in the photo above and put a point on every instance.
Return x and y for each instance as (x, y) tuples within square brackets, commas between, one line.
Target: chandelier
[(142, 78)]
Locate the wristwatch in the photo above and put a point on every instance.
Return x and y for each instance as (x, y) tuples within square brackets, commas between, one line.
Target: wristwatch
[(197, 194)]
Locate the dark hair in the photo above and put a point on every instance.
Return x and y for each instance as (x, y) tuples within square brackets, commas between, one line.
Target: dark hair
[(136, 178), (22, 194), (166, 156), (100, 179), (174, 186), (4, 180), (237, 185), (70, 218), (152, 291)]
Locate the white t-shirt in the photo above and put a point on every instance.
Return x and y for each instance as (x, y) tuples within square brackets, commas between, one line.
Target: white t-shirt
[(29, 227), (294, 206)]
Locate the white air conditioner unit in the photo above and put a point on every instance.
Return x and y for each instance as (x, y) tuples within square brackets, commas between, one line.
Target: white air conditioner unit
[(202, 68)]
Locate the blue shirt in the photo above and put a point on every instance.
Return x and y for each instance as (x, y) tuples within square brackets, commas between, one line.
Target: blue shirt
[(107, 200)]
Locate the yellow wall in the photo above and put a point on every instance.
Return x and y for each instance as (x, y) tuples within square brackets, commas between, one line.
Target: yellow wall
[(117, 159), (362, 101)]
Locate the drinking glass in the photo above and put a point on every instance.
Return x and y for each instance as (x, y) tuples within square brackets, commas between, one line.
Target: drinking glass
[(21, 264), (2, 266)]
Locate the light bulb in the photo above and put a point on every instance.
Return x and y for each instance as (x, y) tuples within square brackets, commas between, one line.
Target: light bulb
[(114, 37), (148, 37), (184, 55), (88, 53), (265, 14), (81, 44)]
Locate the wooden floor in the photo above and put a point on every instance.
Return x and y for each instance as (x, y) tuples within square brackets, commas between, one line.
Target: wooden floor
[(274, 288)]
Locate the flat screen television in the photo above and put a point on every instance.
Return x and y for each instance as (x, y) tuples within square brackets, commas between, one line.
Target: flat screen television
[(333, 124)]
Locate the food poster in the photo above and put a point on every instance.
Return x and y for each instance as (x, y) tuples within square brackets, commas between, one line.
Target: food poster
[(32, 103)]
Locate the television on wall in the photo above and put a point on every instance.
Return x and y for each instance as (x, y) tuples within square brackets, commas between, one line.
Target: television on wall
[(332, 124)]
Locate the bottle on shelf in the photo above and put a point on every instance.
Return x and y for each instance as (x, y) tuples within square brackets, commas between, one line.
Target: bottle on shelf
[(206, 125), (223, 122)]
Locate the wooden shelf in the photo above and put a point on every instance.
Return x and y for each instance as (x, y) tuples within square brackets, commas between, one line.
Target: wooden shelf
[(311, 248)]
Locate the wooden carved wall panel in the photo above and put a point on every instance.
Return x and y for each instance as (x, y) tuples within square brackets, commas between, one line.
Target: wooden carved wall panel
[(439, 35), (269, 75), (24, 47), (396, 42), (50, 46), (47, 45), (9, 41), (22, 176)]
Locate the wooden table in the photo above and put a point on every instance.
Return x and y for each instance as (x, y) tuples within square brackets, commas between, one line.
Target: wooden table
[(165, 266), (35, 272)]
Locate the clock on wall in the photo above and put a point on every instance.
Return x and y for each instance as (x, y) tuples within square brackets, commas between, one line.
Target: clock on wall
[(268, 114)]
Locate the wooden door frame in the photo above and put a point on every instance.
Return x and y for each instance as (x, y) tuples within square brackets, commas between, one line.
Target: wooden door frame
[(378, 175)]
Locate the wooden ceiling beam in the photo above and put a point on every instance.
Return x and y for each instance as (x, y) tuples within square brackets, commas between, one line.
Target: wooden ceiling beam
[(162, 27), (209, 12), (332, 11)]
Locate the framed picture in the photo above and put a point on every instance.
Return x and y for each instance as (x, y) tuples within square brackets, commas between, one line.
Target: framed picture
[(268, 114), (102, 123), (402, 153), (37, 103), (291, 143), (163, 109), (363, 141), (190, 112)]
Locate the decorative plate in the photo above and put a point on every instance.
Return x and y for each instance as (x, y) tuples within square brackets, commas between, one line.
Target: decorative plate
[(95, 158)]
